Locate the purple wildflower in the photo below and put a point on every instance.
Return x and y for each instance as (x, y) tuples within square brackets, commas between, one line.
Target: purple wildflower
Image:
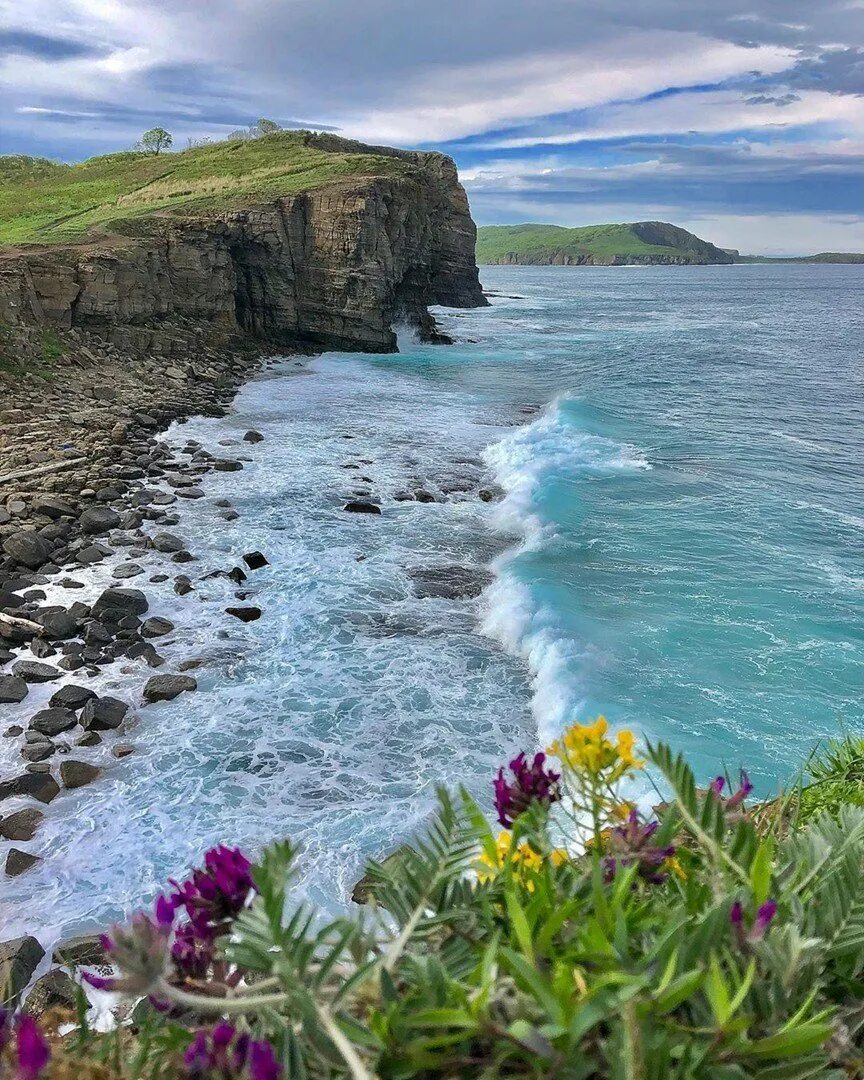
[(5, 1017), (744, 789), (630, 843), (764, 916), (532, 783), (192, 956), (225, 1053), (33, 1049), (216, 895)]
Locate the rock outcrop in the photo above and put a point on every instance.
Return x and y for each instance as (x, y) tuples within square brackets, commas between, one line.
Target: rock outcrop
[(335, 267)]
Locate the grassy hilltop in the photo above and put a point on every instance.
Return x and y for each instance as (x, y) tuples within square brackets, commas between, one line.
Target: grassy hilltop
[(42, 202), (641, 241)]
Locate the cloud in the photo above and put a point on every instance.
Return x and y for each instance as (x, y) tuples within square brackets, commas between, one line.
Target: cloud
[(25, 43)]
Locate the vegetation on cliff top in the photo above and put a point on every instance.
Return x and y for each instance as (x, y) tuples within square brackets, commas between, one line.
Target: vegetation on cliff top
[(708, 939), (42, 202), (540, 244)]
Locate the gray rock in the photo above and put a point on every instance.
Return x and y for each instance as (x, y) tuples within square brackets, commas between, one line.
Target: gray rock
[(59, 625), (227, 465), (54, 990), (53, 721), (128, 570), (103, 714), (450, 582), (167, 542), (52, 507), (36, 752), (28, 548), (41, 787), (13, 690), (114, 604), (168, 687), (156, 627), (71, 696), (21, 825), (75, 774), (355, 506), (244, 614), (19, 959), (32, 671), (85, 950), (18, 861), (99, 520), (122, 750), (253, 437), (255, 560), (91, 738)]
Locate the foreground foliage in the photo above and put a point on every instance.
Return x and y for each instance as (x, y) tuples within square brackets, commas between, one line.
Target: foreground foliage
[(588, 939)]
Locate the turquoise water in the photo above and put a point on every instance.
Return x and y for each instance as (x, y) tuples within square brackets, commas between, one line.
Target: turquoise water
[(680, 544)]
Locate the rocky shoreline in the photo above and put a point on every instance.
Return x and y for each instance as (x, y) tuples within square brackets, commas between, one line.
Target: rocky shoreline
[(81, 460)]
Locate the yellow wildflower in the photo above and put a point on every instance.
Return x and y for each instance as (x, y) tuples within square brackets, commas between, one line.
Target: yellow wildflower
[(524, 857), (674, 867), (586, 748)]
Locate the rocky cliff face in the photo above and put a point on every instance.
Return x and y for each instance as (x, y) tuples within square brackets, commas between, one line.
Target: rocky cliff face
[(336, 267)]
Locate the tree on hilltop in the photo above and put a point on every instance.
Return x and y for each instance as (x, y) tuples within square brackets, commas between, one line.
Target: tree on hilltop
[(156, 140)]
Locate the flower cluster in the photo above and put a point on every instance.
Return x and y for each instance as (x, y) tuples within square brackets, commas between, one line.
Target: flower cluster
[(31, 1048), (211, 899), (630, 844), (760, 924), (225, 1053), (531, 784), (733, 803), (526, 861), (585, 748)]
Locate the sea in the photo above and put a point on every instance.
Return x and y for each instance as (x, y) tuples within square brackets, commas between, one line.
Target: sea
[(674, 537)]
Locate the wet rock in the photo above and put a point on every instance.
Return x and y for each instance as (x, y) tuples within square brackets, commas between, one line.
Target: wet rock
[(253, 437), (166, 542), (85, 950), (21, 825), (182, 557), (99, 520), (103, 714), (53, 721), (128, 570), (17, 862), (223, 503), (450, 582), (54, 990), (33, 672), (114, 604), (255, 560), (237, 575), (423, 496), (75, 774), (28, 548), (122, 750), (143, 650), (488, 495), (244, 614), (19, 959), (42, 649), (13, 689), (182, 585), (90, 554), (227, 465), (70, 583), (53, 508), (71, 696), (357, 506), (38, 752), (190, 493), (229, 515), (156, 627), (72, 662), (91, 738), (363, 891), (59, 625), (40, 787), (168, 687), (13, 731)]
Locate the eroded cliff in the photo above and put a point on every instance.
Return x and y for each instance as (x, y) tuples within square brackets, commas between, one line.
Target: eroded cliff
[(334, 267)]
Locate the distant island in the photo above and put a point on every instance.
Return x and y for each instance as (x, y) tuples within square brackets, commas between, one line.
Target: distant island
[(639, 243)]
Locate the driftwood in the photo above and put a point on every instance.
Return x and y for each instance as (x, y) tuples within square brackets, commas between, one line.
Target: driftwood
[(40, 470), (14, 628)]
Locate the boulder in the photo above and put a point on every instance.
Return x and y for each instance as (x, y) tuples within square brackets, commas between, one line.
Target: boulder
[(52, 722), (21, 825), (75, 774), (244, 614), (156, 627), (450, 582), (168, 687), (255, 560), (356, 506), (85, 950), (19, 959), (253, 437), (59, 625), (227, 465), (32, 671), (13, 689), (167, 542), (18, 861), (28, 548), (41, 786), (51, 507), (54, 990), (103, 714), (99, 520), (115, 604), (71, 696)]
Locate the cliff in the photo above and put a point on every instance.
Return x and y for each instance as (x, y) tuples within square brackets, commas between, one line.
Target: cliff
[(372, 237), (639, 243)]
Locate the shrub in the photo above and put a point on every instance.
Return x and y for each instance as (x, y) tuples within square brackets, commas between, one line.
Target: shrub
[(706, 939)]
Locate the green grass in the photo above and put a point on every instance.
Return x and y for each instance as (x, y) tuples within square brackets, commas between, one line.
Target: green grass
[(42, 202), (544, 242)]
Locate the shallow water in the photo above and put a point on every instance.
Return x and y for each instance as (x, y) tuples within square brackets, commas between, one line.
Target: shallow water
[(680, 545)]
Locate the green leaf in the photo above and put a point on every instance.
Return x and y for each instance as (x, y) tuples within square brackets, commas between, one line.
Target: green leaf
[(679, 990), (761, 870), (802, 1039), (717, 992), (519, 923)]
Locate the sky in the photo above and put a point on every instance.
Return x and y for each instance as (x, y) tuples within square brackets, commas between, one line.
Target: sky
[(742, 120)]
